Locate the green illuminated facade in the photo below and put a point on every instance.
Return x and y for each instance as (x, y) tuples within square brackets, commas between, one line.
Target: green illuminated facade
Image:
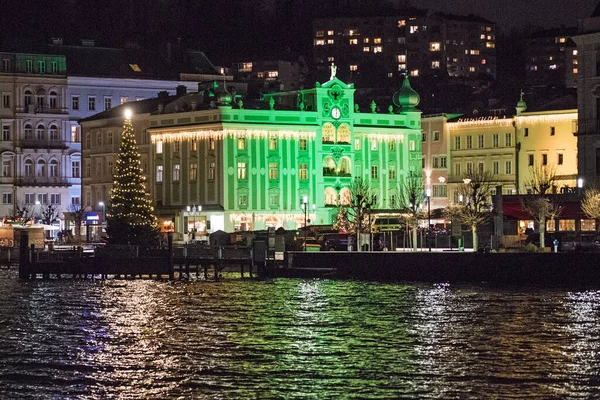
[(250, 167)]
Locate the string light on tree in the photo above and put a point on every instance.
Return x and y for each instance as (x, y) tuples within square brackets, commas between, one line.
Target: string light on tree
[(130, 215)]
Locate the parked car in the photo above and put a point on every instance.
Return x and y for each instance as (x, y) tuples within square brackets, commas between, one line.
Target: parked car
[(334, 241)]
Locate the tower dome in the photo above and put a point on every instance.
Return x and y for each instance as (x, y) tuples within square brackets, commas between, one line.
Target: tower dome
[(521, 105), (224, 98), (406, 97)]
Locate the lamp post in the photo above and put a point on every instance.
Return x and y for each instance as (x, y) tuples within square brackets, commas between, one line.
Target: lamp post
[(305, 209), (101, 204), (579, 195), (429, 217)]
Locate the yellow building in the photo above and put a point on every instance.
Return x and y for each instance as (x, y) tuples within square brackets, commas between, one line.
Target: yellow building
[(485, 143), (547, 139)]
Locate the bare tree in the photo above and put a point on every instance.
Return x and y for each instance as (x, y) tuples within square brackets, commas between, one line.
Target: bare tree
[(22, 212), (77, 212), (411, 199), (474, 205), (590, 205), (362, 201), (542, 179)]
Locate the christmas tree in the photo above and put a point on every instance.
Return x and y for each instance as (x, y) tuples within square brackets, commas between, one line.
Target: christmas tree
[(130, 215)]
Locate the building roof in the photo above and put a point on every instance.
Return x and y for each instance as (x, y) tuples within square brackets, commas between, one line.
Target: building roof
[(91, 61), (147, 106)]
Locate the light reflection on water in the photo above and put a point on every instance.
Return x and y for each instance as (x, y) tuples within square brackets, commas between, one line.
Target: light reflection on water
[(295, 339)]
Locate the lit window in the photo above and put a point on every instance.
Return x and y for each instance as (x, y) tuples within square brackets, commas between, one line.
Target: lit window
[(483, 61), (482, 37), (319, 42), (242, 170), (330, 59), (574, 52), (435, 64), (159, 147), (377, 40), (553, 66), (488, 28), (330, 33), (356, 144), (272, 75), (135, 67), (354, 68), (352, 32), (435, 46), (490, 45), (353, 41), (366, 40), (471, 69), (401, 67), (562, 40), (176, 172), (330, 41), (319, 33), (303, 172), (245, 67), (241, 143), (414, 72), (575, 70), (401, 23), (302, 144), (159, 173), (474, 52), (273, 168), (401, 58), (365, 49), (413, 29), (377, 49), (273, 143)]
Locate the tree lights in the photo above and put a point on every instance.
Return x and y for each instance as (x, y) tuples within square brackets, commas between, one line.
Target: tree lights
[(130, 215)]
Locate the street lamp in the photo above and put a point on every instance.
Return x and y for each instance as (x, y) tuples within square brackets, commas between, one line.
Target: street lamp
[(429, 217), (101, 204), (304, 206)]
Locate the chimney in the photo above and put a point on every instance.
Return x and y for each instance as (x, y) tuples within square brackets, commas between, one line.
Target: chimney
[(181, 90), (163, 94), (161, 108)]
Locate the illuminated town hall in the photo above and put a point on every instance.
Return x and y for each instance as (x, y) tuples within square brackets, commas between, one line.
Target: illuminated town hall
[(253, 167)]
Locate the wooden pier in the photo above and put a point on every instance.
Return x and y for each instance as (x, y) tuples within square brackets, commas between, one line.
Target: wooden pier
[(171, 262)]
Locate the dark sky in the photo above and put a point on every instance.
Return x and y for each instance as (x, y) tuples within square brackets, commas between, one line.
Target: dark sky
[(237, 29), (516, 13)]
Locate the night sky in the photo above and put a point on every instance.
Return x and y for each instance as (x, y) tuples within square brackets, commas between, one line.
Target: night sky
[(238, 29)]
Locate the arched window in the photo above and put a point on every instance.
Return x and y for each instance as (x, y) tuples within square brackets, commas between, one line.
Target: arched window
[(40, 132), (345, 169), (330, 196), (345, 196), (40, 168), (28, 168), (328, 133), (28, 132), (329, 167), (40, 97), (53, 100), (54, 132), (344, 134), (54, 168), (28, 98)]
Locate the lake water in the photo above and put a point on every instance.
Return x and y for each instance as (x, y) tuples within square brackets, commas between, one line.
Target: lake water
[(292, 338)]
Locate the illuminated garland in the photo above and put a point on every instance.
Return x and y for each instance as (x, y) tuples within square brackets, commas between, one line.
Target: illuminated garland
[(481, 121), (532, 119), (235, 133), (258, 134)]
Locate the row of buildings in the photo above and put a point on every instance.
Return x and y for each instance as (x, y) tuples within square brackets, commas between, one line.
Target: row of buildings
[(216, 160)]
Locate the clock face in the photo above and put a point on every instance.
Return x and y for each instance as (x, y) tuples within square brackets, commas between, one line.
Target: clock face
[(335, 113)]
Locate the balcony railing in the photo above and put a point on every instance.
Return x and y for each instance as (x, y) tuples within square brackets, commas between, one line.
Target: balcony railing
[(42, 181), (43, 144), (333, 172)]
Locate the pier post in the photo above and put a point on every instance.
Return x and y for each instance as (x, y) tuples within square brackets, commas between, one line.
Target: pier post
[(24, 255), (171, 261)]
